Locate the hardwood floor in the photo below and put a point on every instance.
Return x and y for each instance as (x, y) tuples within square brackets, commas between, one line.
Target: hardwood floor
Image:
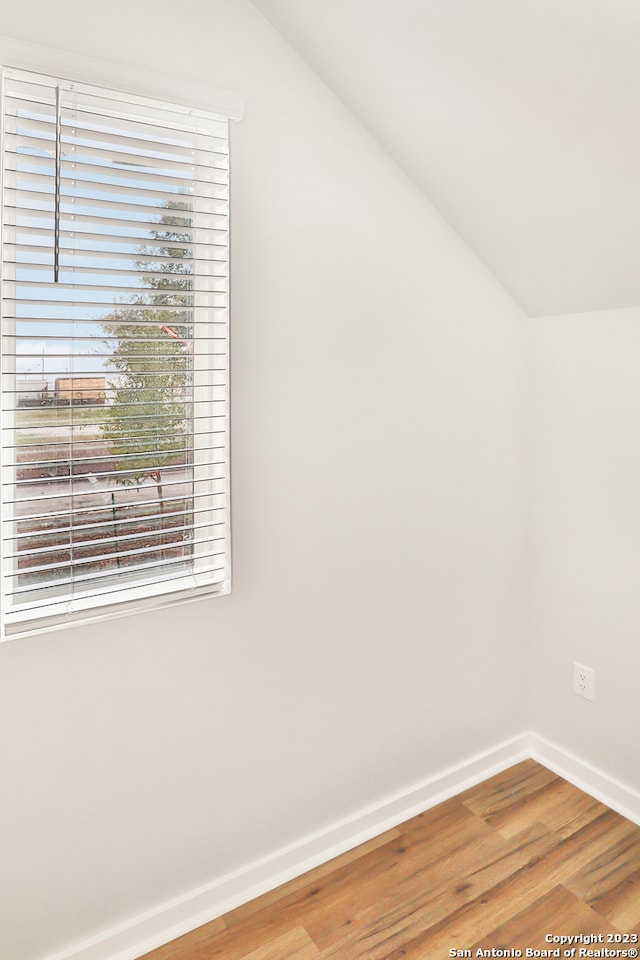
[(521, 856)]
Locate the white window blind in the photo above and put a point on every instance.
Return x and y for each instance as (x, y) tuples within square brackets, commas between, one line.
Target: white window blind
[(115, 421)]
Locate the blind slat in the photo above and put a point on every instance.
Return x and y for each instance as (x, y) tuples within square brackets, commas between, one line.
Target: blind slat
[(70, 218), (72, 191), (34, 89), (75, 238), (68, 258), (77, 130), (32, 128), (122, 523), (106, 574), (123, 173), (129, 419), (76, 563), (87, 511)]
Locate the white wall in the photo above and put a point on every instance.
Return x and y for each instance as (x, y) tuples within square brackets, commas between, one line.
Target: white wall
[(586, 548), (375, 632)]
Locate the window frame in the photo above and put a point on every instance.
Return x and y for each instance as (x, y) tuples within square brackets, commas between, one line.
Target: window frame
[(147, 86)]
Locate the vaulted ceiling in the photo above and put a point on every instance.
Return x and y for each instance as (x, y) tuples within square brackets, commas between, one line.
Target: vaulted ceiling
[(518, 119)]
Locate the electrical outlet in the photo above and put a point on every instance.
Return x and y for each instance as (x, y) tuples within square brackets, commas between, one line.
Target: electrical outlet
[(584, 681)]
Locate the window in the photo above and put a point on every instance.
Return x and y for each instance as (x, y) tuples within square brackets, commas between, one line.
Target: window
[(115, 424)]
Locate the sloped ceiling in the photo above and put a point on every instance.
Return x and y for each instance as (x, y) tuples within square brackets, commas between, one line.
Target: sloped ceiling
[(519, 119)]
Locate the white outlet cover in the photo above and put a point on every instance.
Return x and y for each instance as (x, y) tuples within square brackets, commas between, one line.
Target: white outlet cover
[(584, 681)]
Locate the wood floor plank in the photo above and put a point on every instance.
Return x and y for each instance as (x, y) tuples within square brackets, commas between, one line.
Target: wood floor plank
[(429, 863), (635, 931), (508, 789), (559, 912), (515, 774), (404, 915), (621, 904), (442, 816), (320, 896), (184, 947), (513, 816), (570, 810), (607, 870), (478, 918), (236, 944), (311, 877), (294, 945), (326, 904), (557, 804)]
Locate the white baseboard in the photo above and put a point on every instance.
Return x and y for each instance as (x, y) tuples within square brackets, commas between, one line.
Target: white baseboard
[(607, 789), (172, 919), (179, 916)]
